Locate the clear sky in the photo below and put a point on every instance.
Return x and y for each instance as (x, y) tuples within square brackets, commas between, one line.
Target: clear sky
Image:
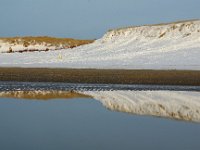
[(88, 19)]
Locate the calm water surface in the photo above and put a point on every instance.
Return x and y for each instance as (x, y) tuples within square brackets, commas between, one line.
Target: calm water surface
[(84, 124)]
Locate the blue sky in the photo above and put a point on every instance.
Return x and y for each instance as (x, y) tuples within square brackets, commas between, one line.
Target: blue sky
[(88, 19)]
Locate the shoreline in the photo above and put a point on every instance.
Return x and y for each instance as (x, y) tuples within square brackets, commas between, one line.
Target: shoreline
[(101, 76)]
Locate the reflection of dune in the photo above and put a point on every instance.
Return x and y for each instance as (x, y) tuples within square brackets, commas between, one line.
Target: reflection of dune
[(170, 104), (42, 95)]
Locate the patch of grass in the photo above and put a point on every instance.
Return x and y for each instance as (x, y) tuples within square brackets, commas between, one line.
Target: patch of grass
[(51, 41), (162, 35)]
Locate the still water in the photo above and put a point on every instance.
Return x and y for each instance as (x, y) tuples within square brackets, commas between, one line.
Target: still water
[(85, 124)]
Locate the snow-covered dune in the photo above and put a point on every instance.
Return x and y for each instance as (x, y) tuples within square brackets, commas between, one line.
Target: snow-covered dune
[(164, 46), (168, 104), (41, 43)]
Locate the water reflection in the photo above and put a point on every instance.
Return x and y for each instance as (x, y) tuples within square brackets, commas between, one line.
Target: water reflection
[(181, 105), (42, 95), (83, 124)]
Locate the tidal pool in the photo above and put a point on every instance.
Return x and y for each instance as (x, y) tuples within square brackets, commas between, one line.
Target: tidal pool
[(83, 123)]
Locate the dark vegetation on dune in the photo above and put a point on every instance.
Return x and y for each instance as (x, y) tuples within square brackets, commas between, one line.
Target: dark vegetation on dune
[(45, 41)]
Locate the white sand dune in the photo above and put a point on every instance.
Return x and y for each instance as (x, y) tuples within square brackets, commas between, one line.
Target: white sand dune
[(164, 46)]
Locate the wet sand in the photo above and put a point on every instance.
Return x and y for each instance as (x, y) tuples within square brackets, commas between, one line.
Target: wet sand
[(101, 76)]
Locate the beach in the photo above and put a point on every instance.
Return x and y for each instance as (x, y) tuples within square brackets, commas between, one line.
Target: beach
[(101, 76)]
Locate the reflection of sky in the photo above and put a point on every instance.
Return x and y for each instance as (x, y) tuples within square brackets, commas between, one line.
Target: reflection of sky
[(88, 18), (85, 124)]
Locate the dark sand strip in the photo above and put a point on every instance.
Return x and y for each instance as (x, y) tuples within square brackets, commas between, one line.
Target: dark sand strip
[(156, 77)]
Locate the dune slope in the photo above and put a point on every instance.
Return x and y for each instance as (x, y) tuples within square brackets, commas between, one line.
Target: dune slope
[(163, 46)]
